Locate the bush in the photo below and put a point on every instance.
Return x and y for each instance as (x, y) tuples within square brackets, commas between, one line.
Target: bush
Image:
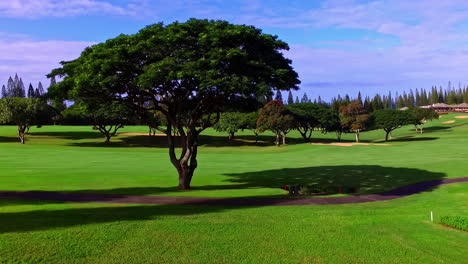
[(458, 222)]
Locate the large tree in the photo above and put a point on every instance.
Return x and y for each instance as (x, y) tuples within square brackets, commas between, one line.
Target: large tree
[(275, 117), (24, 112), (229, 122), (309, 117), (107, 118), (354, 117), (420, 116), (188, 71), (249, 122), (391, 119)]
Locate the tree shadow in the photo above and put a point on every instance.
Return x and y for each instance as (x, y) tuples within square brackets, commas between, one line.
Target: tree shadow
[(409, 139), (36, 220), (437, 129), (389, 182), (10, 139), (365, 179), (74, 135), (146, 141)]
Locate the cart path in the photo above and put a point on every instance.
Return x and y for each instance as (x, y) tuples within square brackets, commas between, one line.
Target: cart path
[(238, 201)]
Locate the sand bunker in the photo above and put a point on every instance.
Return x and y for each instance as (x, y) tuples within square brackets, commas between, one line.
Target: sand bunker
[(141, 134), (339, 144), (449, 122), (462, 117)]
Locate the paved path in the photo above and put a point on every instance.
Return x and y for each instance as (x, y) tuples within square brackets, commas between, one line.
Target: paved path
[(257, 201)]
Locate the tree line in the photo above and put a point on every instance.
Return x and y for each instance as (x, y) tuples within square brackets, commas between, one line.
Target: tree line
[(416, 98), (309, 117), (15, 88)]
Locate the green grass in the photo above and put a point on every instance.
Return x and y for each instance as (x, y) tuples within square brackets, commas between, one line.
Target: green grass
[(75, 159), (397, 231)]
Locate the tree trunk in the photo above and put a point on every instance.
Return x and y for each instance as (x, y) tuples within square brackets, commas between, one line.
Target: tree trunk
[(187, 162), (357, 136), (277, 142), (185, 178), (386, 135), (256, 138), (284, 139), (231, 135), (108, 137), (21, 134)]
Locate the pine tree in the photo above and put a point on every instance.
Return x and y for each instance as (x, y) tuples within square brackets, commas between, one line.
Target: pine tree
[(39, 90), (411, 101), (10, 87), (297, 100), (279, 96), (31, 93), (305, 99), (451, 98), (442, 97), (21, 90), (4, 92), (359, 97), (290, 98)]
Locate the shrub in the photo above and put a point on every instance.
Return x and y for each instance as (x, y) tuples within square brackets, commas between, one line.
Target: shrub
[(458, 222)]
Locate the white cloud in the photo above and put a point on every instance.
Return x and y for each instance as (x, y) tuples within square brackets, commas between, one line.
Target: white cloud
[(32, 60), (65, 8)]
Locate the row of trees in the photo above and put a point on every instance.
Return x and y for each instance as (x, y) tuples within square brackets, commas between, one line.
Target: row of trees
[(309, 117), (416, 98), (15, 88)]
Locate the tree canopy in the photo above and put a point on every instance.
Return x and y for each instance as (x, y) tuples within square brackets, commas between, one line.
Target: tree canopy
[(230, 122), (391, 119), (187, 71), (420, 116), (354, 117), (24, 113), (275, 117)]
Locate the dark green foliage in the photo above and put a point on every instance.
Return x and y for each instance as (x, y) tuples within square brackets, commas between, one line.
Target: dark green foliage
[(310, 117), (353, 117), (156, 121), (24, 113), (31, 93), (419, 116), (73, 115), (188, 71), (229, 122), (4, 92), (275, 117), (391, 119), (290, 98), (107, 118), (458, 222)]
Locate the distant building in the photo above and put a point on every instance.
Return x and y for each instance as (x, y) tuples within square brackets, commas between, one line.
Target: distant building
[(441, 107)]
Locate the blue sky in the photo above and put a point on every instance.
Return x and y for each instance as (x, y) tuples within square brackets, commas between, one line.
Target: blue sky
[(337, 46)]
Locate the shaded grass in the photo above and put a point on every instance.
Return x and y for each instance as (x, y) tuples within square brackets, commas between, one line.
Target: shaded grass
[(397, 231)]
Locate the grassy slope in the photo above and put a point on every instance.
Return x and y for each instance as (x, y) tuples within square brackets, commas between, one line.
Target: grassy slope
[(51, 160)]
